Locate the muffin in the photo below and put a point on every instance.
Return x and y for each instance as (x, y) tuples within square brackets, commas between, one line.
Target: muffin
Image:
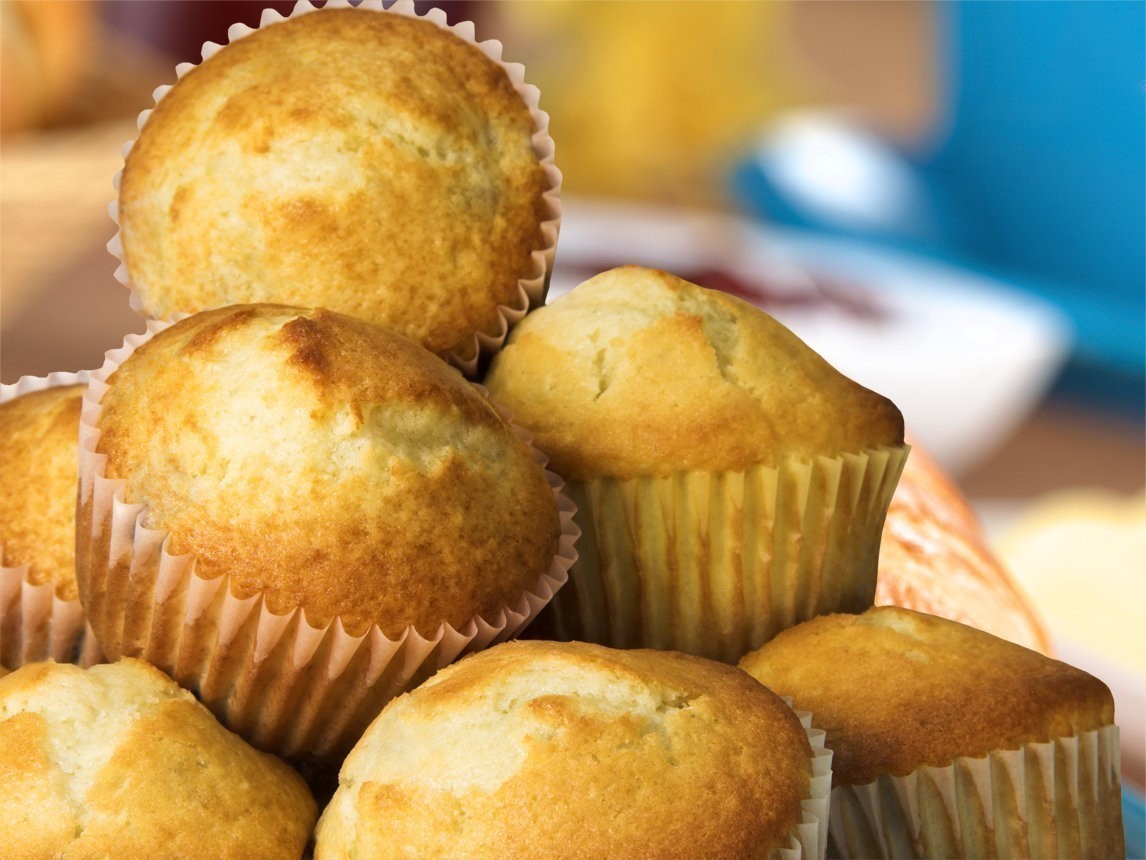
[(950, 742), (40, 613), (367, 161), (729, 482), (118, 761), (934, 557), (544, 749), (296, 514)]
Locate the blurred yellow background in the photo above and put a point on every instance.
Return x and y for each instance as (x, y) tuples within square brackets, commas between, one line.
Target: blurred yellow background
[(657, 100)]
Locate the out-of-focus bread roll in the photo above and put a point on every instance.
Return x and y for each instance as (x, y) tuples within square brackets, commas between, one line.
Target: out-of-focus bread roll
[(1081, 552), (934, 558)]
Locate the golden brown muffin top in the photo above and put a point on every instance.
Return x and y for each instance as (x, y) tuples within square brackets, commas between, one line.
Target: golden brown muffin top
[(544, 749), (362, 161), (637, 372), (897, 689), (329, 464), (39, 434), (119, 761)]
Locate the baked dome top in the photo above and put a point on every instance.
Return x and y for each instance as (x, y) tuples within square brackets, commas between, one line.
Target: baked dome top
[(637, 372), (329, 464), (363, 161), (544, 749), (896, 689), (119, 761)]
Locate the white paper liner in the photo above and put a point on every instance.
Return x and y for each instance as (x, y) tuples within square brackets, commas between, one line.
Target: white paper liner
[(35, 623), (531, 291), (1061, 798), (811, 837), (717, 563), (284, 685)]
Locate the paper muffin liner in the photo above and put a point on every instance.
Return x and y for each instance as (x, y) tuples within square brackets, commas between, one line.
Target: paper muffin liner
[(531, 290), (811, 837), (717, 563), (1061, 798), (35, 623), (285, 685)]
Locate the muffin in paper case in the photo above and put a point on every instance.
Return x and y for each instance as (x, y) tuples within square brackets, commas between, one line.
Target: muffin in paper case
[(40, 614), (569, 749), (282, 176), (285, 685), (717, 563), (951, 742), (729, 481)]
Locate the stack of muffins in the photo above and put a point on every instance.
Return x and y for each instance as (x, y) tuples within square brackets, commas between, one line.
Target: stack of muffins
[(292, 497)]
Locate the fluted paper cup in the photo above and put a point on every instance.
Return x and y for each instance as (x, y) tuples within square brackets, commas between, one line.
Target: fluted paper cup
[(717, 563), (1061, 798), (285, 685), (811, 837)]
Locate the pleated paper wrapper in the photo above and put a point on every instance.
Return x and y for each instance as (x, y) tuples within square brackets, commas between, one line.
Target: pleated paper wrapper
[(811, 837), (35, 623), (1061, 798), (531, 290), (286, 686), (717, 563)]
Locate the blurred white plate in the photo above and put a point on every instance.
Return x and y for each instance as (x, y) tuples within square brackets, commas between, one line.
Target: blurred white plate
[(964, 357)]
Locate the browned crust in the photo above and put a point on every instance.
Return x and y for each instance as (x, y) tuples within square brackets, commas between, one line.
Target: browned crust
[(38, 473), (626, 754), (378, 165), (637, 372), (328, 464), (187, 786), (897, 689)]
